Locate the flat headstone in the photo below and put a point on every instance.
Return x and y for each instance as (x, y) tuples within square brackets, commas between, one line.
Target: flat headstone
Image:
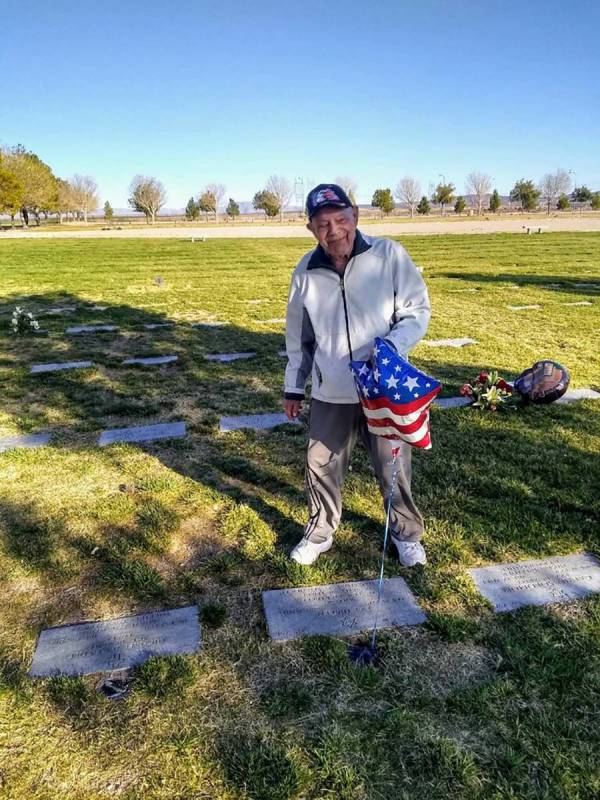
[(92, 328), (151, 360), (143, 433), (277, 321), (209, 324), (60, 366), (60, 310), (460, 291), (587, 285), (121, 643), (538, 582), (448, 342), (339, 609), (259, 422), (223, 357), (452, 402), (255, 302), (523, 308), (26, 440), (579, 303), (97, 308), (573, 395), (150, 326)]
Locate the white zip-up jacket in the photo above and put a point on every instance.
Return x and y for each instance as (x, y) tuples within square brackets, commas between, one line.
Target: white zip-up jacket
[(331, 316)]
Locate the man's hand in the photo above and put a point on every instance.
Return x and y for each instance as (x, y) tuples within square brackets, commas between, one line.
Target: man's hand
[(292, 408)]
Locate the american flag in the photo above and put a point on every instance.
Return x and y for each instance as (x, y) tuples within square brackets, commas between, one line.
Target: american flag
[(395, 396)]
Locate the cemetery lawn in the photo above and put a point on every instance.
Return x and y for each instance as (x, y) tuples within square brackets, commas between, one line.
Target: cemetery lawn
[(470, 705)]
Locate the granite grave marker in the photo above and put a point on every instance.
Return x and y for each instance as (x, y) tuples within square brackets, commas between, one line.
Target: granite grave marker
[(339, 609), (259, 422), (37, 368), (121, 643), (538, 582), (143, 433)]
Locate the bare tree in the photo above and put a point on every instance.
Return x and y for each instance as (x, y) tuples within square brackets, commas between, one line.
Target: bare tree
[(85, 194), (147, 195), (480, 185), (282, 189), (408, 191), (552, 185), (349, 185), (216, 190)]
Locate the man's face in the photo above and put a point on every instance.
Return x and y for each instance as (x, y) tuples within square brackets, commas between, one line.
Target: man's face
[(335, 229)]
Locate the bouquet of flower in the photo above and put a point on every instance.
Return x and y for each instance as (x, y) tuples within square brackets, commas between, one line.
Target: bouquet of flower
[(23, 322), (490, 391)]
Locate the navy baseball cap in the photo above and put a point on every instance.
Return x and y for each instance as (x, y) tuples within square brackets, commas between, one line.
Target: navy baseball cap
[(326, 194)]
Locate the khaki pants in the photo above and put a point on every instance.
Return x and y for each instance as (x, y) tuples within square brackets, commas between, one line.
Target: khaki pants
[(333, 430)]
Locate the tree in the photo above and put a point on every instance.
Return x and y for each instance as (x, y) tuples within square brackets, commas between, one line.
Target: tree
[(460, 205), (383, 200), (268, 202), (349, 185), (552, 185), (11, 194), (108, 213), (192, 211), (479, 184), (563, 204), (147, 195), (443, 195), (233, 209), (408, 192), (596, 201), (216, 191), (85, 194), (207, 203), (581, 194), (281, 188), (66, 204), (525, 193), (40, 189), (423, 207), (495, 202)]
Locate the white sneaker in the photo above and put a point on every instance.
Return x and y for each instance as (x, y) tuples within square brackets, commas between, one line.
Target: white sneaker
[(307, 552), (410, 553)]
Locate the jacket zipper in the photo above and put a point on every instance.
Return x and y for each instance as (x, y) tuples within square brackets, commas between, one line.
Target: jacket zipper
[(343, 288)]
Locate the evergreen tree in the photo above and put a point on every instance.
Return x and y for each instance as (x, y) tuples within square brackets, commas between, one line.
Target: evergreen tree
[(233, 209), (495, 201), (460, 205), (192, 211), (525, 193), (444, 194), (423, 207), (383, 200), (108, 213), (596, 201), (268, 202), (581, 194)]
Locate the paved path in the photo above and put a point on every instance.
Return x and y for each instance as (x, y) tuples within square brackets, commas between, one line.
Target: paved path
[(435, 226)]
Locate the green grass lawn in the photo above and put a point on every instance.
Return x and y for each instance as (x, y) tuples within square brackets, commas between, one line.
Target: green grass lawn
[(471, 705)]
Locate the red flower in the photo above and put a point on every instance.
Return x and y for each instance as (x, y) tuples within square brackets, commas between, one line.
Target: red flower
[(482, 378), (466, 389), (506, 387)]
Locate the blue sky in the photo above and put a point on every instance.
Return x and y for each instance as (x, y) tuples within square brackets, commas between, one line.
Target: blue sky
[(196, 92)]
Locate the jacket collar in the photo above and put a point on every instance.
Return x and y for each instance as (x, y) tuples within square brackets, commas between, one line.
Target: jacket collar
[(320, 258)]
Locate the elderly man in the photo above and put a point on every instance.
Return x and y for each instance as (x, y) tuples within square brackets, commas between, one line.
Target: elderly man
[(348, 290)]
